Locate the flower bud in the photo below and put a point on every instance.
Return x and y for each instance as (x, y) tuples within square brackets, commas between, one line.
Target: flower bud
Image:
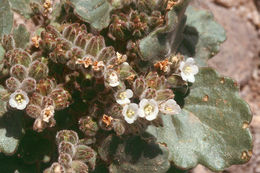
[(68, 136), (19, 56), (118, 127), (36, 99), (45, 86), (61, 98), (176, 81), (149, 93), (67, 147), (79, 166), (139, 86), (39, 125), (115, 110), (84, 153), (57, 168), (154, 81), (33, 111), (88, 126), (28, 85), (118, 28), (47, 101), (18, 71), (38, 70), (12, 84), (8, 42), (126, 72), (87, 141), (106, 54), (156, 19), (164, 94), (95, 44), (65, 160)]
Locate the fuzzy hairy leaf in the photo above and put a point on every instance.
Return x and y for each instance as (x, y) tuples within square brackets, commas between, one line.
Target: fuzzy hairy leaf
[(2, 54), (96, 13), (21, 36), (3, 100), (212, 129), (10, 132), (166, 39), (202, 36), (6, 18), (135, 155), (22, 7)]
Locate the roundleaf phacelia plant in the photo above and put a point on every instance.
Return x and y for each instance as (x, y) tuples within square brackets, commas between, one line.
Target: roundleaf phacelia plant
[(117, 86)]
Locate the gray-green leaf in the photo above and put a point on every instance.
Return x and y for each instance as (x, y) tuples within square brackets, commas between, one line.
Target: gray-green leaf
[(6, 18), (10, 132), (4, 95), (135, 155), (21, 36), (202, 36), (166, 39), (22, 7), (212, 129), (2, 54), (96, 13)]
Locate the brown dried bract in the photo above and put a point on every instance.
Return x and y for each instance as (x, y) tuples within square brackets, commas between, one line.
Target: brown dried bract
[(163, 65), (98, 65), (171, 3), (35, 40), (107, 120), (85, 61)]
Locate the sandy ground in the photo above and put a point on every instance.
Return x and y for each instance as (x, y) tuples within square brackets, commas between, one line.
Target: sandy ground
[(239, 58)]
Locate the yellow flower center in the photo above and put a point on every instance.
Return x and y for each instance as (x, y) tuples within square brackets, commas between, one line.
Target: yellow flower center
[(122, 95), (167, 108), (148, 109), (130, 113), (19, 98), (187, 69)]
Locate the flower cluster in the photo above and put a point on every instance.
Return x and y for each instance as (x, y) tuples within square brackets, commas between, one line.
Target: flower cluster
[(73, 154), (30, 88), (24, 74), (151, 103), (48, 97)]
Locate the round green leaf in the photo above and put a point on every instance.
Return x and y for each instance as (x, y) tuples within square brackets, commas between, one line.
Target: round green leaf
[(202, 35), (135, 155), (4, 95), (21, 36), (6, 18), (10, 132), (212, 129), (94, 12), (166, 39)]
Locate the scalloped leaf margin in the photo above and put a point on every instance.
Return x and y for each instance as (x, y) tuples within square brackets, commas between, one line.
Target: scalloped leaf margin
[(96, 13), (212, 129), (6, 18), (202, 36)]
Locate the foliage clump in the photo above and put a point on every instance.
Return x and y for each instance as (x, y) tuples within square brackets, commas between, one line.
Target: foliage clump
[(117, 86)]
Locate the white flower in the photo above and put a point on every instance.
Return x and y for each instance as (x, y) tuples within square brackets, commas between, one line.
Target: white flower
[(130, 112), (123, 97), (47, 113), (148, 108), (188, 70), (112, 78), (18, 99), (170, 107)]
